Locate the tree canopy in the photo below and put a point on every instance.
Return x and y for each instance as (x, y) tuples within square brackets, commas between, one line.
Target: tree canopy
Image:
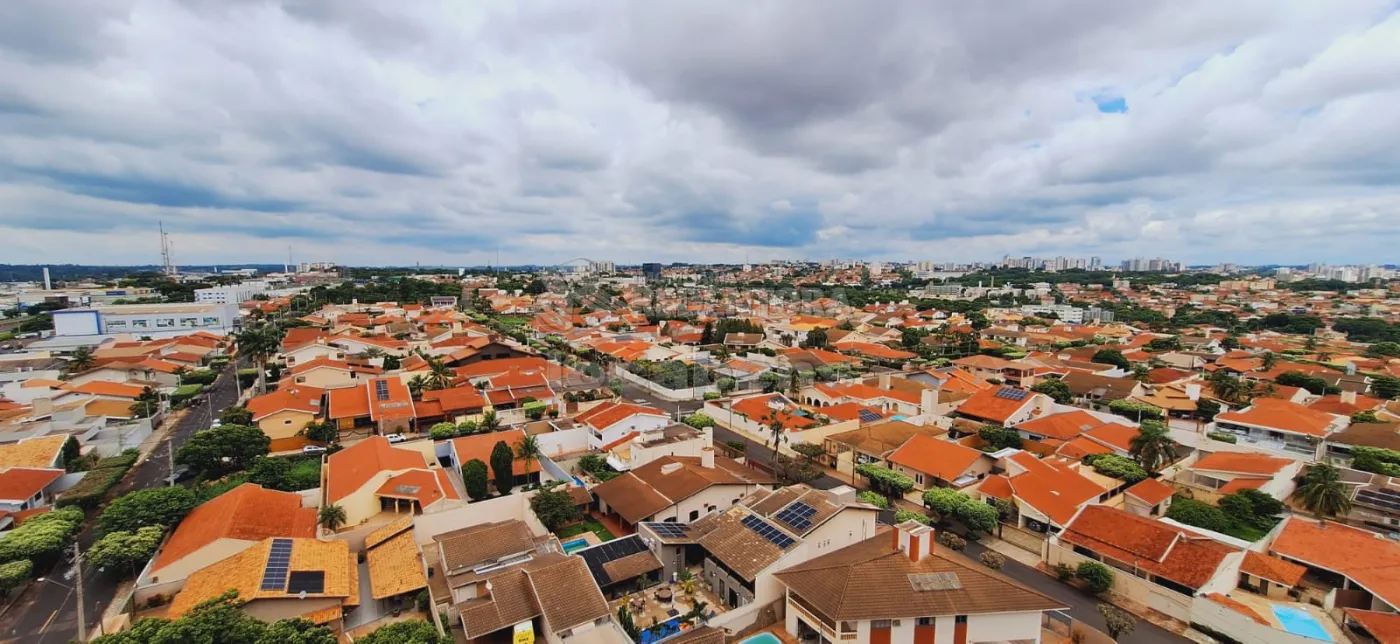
[(162, 506), (223, 449)]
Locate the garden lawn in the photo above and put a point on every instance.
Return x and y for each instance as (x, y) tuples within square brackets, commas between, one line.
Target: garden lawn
[(587, 525)]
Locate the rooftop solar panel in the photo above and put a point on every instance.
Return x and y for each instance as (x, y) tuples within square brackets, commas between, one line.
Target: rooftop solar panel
[(1012, 394), (312, 582), (867, 416), (935, 581), (772, 534), (381, 389), (798, 515), (279, 557)]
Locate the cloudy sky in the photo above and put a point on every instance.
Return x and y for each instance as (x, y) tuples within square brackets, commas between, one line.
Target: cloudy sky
[(373, 132)]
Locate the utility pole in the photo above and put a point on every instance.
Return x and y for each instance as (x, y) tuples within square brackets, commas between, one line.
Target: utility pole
[(170, 459), (78, 566)]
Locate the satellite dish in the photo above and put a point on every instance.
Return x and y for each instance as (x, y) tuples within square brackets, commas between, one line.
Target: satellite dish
[(301, 595)]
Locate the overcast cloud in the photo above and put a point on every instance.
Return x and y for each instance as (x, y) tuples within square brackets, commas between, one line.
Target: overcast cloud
[(371, 132)]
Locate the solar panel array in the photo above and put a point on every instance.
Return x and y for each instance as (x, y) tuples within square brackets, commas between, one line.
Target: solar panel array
[(312, 582), (279, 559), (668, 530), (772, 534), (381, 389), (1012, 394), (867, 416), (798, 515), (1384, 498), (935, 581)]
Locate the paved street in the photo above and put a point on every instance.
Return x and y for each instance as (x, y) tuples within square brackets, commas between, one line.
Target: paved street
[(47, 612)]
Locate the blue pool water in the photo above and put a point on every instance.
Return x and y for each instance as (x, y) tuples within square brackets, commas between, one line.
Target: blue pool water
[(894, 417), (668, 628), (1299, 622), (576, 544), (761, 638)]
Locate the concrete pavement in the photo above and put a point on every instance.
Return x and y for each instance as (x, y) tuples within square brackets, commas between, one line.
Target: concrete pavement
[(47, 611)]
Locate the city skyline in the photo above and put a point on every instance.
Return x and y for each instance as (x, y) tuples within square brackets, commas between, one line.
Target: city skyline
[(476, 135)]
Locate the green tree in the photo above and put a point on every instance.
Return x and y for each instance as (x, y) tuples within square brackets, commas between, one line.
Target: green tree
[(162, 506), (977, 516), (1228, 388), (1153, 447), (297, 631), (945, 501), (555, 508), (489, 423), (442, 431), (272, 473), (14, 574), (259, 343), (809, 451), (1056, 389), (476, 479), (770, 381), (409, 632), (628, 624), (725, 385), (331, 517), (699, 420), (707, 335), (1206, 409), (817, 338), (1113, 357), (223, 449), (1387, 387), (126, 551), (1117, 622), (503, 467), (1000, 438), (1096, 576), (440, 376), (1322, 491), (322, 432), (217, 621), (146, 404), (42, 538), (616, 386), (236, 416), (81, 360), (528, 449), (874, 498)]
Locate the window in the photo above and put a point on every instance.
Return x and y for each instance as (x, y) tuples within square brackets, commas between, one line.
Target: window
[(286, 422), (924, 621), (189, 322), (919, 478), (960, 619), (879, 624), (165, 323), (141, 324), (210, 322), (694, 514), (117, 324)]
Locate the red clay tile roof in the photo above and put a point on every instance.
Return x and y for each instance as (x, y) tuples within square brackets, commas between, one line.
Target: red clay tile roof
[(610, 413), (1385, 627), (1272, 568), (1064, 426), (348, 402), (879, 351), (1151, 545), (1151, 491), (1238, 607), (479, 446), (1081, 447), (1281, 415), (463, 398), (987, 405), (849, 411), (1364, 556), (248, 512), (1242, 463), (997, 486), (1242, 484), (352, 467), (1052, 487), (1115, 435), (427, 486), (110, 389), (19, 484), (294, 398), (943, 459), (758, 409)]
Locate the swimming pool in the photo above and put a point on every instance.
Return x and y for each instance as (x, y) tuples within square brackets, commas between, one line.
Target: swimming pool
[(761, 638), (664, 629), (576, 544), (1299, 622)]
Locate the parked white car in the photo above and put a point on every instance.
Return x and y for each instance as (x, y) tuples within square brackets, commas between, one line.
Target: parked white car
[(395, 438)]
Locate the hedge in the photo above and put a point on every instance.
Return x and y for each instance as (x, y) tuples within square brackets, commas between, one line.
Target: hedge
[(874, 498), (200, 377), (88, 493), (1119, 467), (1134, 409), (1224, 437), (185, 392), (885, 479)]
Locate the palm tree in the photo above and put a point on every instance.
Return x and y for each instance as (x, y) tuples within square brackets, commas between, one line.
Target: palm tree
[(180, 373), (1227, 387), (440, 375), (528, 449), (1323, 492), (259, 343), (775, 428), (331, 517), (1153, 446), (416, 385), (1269, 360), (372, 352), (81, 360), (489, 422)]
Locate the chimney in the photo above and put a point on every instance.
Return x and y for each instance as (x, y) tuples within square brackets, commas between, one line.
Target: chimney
[(41, 406), (1193, 392), (1349, 397), (707, 458), (672, 468), (914, 539), (928, 401), (842, 494), (885, 382)]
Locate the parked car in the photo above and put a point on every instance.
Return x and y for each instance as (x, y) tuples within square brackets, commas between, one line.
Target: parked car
[(182, 473), (313, 449), (395, 438)]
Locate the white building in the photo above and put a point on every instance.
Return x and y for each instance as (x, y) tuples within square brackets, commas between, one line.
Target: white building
[(231, 294), (176, 318)]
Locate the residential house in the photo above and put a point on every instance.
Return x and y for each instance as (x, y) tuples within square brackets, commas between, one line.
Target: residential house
[(40, 452), (1148, 497), (934, 462), (871, 443), (1337, 447), (280, 578), (24, 488), (479, 447), (900, 587), (611, 422), (885, 392), (284, 413), (1004, 406), (756, 413), (676, 439), (222, 527), (311, 350), (1095, 391), (984, 367), (1363, 566), (677, 488), (1280, 425), (395, 565), (1047, 492), (373, 476), (1221, 473), (326, 373)]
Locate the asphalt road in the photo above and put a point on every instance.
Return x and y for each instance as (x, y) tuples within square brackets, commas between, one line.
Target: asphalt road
[(47, 611)]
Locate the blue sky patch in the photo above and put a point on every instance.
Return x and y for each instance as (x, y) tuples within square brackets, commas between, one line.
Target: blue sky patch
[(1111, 104)]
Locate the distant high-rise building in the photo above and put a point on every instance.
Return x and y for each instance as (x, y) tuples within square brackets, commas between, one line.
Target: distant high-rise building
[(652, 271), (1095, 263)]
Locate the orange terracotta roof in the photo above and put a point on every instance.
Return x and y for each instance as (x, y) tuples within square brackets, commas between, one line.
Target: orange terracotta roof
[(479, 446), (847, 411), (454, 399), (1242, 463), (110, 389), (1242, 484), (945, 460), (1238, 607), (244, 573), (1272, 568), (1281, 415), (248, 512), (395, 404), (422, 485), (19, 484), (997, 486), (40, 452), (610, 413), (1151, 545), (1116, 435), (1064, 426), (350, 468), (987, 405), (879, 351), (1151, 491), (1364, 556), (760, 408), (1385, 627), (1054, 489), (292, 398), (348, 402)]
